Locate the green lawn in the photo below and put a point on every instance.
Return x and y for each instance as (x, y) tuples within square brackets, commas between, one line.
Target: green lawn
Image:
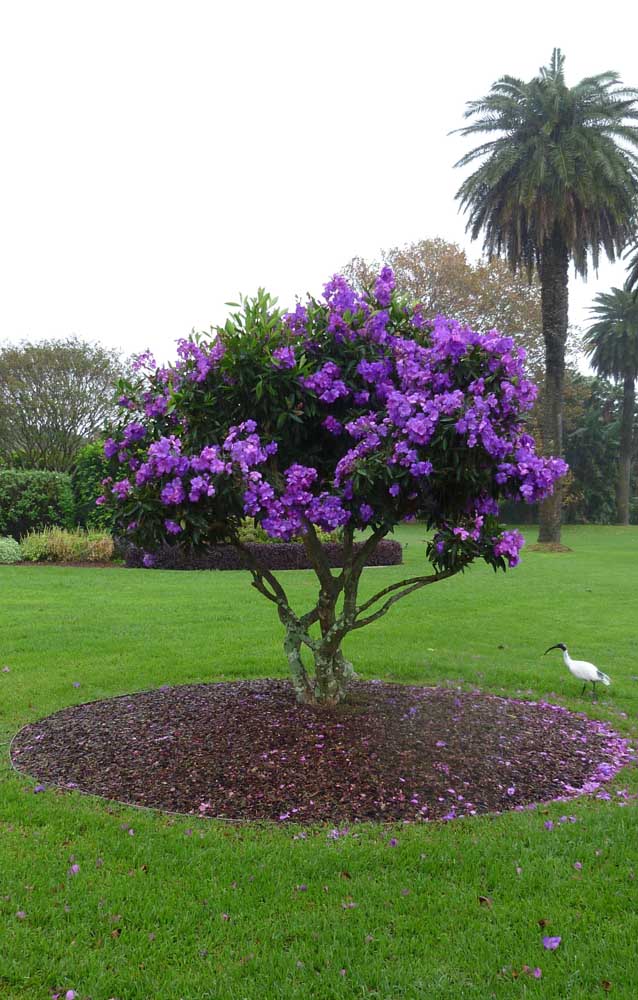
[(177, 907)]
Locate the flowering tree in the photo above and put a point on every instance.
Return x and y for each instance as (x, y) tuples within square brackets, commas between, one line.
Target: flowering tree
[(354, 412)]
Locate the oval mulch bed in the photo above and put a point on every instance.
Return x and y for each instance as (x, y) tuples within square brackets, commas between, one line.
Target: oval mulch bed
[(247, 751)]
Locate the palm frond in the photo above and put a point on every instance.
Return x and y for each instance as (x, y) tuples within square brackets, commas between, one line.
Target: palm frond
[(558, 162)]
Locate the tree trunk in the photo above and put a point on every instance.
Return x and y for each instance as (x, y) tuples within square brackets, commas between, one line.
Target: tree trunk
[(332, 672), (554, 276), (623, 486)]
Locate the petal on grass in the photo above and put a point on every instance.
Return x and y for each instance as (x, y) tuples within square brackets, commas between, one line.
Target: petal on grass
[(551, 943)]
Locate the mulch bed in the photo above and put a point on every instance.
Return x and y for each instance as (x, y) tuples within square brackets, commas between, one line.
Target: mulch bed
[(246, 751)]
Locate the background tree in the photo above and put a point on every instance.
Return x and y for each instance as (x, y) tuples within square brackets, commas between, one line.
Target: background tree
[(349, 413), (612, 344), (558, 183), (592, 440), (631, 283), (55, 395)]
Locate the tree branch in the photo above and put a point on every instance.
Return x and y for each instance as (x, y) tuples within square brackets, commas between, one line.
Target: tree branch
[(318, 560), (410, 585), (260, 574)]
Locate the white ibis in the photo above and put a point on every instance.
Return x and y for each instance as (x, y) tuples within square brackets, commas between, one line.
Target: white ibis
[(585, 671)]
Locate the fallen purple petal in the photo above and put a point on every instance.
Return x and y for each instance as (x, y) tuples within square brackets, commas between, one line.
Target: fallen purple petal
[(551, 943)]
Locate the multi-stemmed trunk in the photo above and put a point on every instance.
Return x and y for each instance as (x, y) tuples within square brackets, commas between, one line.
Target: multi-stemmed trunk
[(320, 631), (623, 486), (554, 277)]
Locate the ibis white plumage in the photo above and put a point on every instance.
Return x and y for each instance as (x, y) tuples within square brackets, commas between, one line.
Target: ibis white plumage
[(585, 671)]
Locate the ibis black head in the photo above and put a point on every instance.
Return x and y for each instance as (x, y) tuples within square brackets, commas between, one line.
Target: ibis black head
[(559, 645)]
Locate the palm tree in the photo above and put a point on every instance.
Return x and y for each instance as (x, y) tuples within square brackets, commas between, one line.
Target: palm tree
[(558, 183), (612, 343), (631, 284)]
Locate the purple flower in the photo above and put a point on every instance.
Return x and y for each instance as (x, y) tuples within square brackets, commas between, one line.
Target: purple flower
[(384, 286), (284, 357), (366, 512), (509, 544), (121, 489), (172, 527), (551, 943), (548, 824), (332, 425), (143, 360), (148, 560), (173, 492)]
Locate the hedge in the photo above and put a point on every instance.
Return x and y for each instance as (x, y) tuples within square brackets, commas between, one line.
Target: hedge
[(285, 555), (32, 500), (91, 467)]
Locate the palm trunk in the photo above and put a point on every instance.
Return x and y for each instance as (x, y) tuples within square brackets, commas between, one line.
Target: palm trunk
[(626, 448), (554, 302)]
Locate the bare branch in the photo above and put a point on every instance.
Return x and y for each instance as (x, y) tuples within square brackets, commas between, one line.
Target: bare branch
[(260, 574), (410, 585)]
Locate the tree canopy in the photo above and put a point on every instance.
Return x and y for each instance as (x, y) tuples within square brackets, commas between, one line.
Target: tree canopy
[(350, 412), (612, 344), (562, 168), (55, 395)]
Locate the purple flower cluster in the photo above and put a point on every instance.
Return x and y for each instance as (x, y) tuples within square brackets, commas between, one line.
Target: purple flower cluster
[(384, 286), (509, 544), (408, 405), (198, 360), (284, 357), (326, 383), (289, 514)]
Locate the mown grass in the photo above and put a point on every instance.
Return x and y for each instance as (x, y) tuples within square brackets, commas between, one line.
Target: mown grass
[(169, 907)]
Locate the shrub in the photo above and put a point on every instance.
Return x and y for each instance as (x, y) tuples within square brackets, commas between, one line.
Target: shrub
[(284, 555), (32, 500), (91, 468), (58, 545), (9, 551)]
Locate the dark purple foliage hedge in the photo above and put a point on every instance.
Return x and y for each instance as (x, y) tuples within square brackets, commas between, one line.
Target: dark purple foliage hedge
[(285, 555)]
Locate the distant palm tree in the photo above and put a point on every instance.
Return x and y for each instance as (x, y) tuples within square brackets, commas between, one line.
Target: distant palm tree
[(631, 284), (558, 183), (612, 343)]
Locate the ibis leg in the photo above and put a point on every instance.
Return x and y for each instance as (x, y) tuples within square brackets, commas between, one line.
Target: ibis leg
[(584, 689)]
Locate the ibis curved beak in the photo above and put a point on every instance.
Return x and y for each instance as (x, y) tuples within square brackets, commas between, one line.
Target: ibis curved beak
[(550, 648)]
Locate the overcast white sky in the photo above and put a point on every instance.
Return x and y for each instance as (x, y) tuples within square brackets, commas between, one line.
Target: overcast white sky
[(158, 158)]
